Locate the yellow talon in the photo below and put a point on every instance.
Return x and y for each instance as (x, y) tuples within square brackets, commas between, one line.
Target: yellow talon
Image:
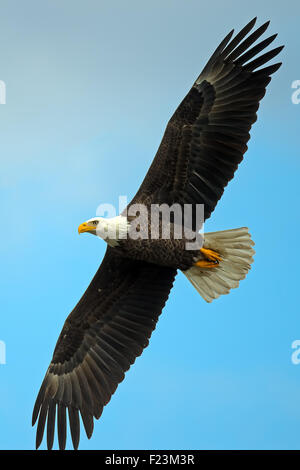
[(212, 259), (206, 264), (211, 255)]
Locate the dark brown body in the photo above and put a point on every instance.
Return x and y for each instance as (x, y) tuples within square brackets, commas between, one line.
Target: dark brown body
[(164, 243)]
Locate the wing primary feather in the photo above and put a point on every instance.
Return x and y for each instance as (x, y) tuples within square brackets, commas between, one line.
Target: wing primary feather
[(74, 425), (255, 50), (60, 389), (216, 54), (263, 59), (247, 42), (41, 423), (67, 396), (76, 392), (267, 70), (88, 421), (239, 37), (39, 400), (51, 424), (85, 390), (61, 426)]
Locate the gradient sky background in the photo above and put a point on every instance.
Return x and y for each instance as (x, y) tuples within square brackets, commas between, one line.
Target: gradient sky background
[(90, 88)]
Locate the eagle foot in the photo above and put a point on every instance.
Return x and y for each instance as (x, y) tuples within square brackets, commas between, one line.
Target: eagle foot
[(212, 258)]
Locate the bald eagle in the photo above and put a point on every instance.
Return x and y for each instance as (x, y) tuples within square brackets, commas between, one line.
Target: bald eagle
[(203, 144)]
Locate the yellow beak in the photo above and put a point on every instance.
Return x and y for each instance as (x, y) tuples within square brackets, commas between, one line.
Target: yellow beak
[(85, 228)]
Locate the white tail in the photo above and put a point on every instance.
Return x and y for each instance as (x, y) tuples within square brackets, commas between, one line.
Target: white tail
[(235, 249)]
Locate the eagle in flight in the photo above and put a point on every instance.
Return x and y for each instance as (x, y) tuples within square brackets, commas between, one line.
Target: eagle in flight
[(202, 146)]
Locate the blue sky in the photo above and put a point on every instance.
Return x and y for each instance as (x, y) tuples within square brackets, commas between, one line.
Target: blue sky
[(90, 88)]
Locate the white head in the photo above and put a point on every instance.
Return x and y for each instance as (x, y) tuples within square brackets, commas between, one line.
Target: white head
[(110, 230)]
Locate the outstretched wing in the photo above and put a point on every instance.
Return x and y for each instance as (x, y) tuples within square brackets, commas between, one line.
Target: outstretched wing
[(206, 138), (106, 331)]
